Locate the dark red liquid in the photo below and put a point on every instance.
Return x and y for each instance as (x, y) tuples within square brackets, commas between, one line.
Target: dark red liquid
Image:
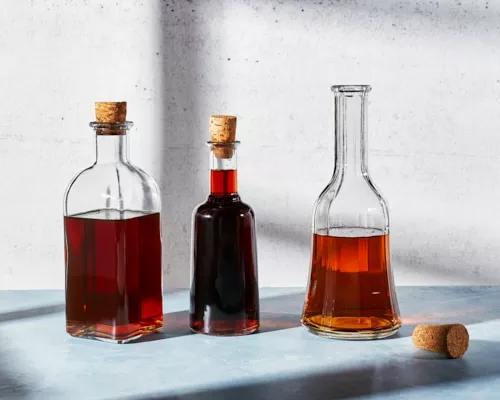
[(223, 182), (113, 274), (224, 289)]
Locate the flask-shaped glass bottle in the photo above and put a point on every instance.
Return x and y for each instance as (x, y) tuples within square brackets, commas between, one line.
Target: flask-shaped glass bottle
[(351, 292), (224, 289), (112, 240)]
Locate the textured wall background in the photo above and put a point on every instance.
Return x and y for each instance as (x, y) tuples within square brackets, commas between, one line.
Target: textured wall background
[(434, 121)]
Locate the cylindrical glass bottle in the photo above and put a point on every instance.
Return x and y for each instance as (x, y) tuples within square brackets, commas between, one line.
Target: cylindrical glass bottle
[(224, 289), (112, 241), (351, 293)]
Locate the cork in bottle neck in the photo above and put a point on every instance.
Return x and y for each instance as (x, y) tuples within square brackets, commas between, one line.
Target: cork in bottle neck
[(111, 118), (223, 135)]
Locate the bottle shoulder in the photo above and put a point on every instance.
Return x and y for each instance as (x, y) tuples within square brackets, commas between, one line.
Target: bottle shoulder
[(120, 186), (223, 206), (105, 174), (350, 203), (360, 192)]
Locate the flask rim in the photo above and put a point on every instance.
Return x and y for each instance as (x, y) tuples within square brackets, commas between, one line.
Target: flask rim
[(234, 144), (125, 125), (351, 88)]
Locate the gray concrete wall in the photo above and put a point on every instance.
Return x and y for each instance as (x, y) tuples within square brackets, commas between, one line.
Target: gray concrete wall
[(434, 121)]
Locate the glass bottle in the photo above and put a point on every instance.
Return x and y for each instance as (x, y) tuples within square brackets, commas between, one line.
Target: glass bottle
[(112, 240), (351, 292), (224, 289)]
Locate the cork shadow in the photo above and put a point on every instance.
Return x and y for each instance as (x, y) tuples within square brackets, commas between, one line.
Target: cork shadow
[(427, 355)]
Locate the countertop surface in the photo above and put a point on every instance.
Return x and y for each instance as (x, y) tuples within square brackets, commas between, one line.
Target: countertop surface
[(38, 360)]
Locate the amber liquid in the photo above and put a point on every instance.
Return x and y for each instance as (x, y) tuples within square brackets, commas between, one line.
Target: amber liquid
[(113, 275), (350, 291), (224, 289)]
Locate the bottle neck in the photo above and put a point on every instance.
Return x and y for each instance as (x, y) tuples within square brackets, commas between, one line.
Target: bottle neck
[(111, 149), (350, 134), (223, 171)]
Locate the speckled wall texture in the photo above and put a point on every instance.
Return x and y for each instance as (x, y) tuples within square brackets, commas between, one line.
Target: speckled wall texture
[(434, 121)]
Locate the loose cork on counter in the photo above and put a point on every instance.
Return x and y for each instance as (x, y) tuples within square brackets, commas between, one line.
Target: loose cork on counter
[(108, 112), (451, 340), (223, 131)]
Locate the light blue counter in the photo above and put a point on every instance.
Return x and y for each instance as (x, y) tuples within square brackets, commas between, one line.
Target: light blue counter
[(38, 360)]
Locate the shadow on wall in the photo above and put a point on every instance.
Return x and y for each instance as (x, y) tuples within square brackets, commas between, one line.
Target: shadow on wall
[(435, 260), (441, 15), (183, 38), (182, 136), (400, 18)]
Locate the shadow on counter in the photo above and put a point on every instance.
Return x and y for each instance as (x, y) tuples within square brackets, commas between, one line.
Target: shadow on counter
[(31, 312), (277, 313), (445, 305), (408, 371), (10, 386)]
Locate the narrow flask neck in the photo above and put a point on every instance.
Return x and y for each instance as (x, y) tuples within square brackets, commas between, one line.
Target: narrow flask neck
[(223, 170), (111, 149), (350, 134)]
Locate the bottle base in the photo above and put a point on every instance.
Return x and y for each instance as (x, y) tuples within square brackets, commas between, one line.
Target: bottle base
[(104, 335), (225, 332), (352, 328)]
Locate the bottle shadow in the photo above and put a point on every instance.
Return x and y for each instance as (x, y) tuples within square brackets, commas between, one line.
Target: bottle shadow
[(472, 306), (277, 313), (270, 322), (175, 325)]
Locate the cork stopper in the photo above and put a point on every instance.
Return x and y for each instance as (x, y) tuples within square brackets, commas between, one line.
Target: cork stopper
[(451, 340), (222, 128), (111, 111), (223, 131)]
